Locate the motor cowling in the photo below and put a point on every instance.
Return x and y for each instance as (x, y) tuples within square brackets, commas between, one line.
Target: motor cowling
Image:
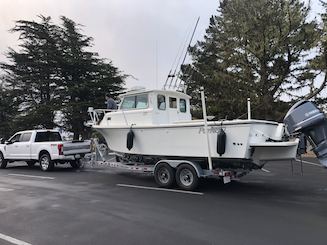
[(305, 117)]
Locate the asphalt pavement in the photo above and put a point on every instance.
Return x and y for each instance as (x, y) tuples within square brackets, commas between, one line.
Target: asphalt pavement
[(277, 205)]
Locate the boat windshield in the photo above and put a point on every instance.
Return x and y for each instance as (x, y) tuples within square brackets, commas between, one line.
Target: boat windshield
[(135, 102)]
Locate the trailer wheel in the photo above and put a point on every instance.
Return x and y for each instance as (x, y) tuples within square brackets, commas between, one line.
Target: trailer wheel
[(164, 175), (46, 163), (186, 177), (76, 164), (3, 161)]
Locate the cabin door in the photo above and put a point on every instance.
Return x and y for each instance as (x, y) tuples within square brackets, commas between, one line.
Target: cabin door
[(172, 110)]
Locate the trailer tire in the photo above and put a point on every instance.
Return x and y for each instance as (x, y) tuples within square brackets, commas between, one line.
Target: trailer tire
[(3, 161), (46, 164), (76, 164), (187, 177), (164, 175)]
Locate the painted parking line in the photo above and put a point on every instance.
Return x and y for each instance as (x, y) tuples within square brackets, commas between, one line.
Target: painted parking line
[(310, 163), (3, 189), (13, 240), (160, 189), (32, 176)]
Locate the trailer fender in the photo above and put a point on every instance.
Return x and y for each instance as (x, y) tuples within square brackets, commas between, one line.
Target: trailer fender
[(175, 163)]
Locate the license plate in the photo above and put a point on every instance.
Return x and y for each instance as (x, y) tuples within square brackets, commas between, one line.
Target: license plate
[(227, 179)]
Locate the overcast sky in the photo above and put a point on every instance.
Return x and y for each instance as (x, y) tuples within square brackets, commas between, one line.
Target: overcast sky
[(136, 35)]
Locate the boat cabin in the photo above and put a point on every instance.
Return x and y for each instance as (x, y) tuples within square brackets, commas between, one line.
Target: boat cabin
[(150, 107)]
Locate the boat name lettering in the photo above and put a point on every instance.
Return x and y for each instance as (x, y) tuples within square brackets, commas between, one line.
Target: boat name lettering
[(211, 130), (311, 112)]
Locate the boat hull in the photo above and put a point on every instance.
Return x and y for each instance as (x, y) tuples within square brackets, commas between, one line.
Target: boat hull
[(245, 140)]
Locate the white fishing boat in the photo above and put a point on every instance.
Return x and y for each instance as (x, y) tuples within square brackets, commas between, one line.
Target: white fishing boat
[(162, 126), (152, 126)]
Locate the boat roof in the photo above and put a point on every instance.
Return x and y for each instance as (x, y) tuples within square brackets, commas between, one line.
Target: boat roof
[(158, 91)]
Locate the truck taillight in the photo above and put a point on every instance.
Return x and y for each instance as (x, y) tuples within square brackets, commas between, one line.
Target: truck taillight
[(60, 149)]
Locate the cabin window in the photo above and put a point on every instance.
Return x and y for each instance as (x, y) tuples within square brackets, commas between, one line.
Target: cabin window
[(142, 101), (135, 102), (182, 105), (128, 103), (161, 102), (172, 102)]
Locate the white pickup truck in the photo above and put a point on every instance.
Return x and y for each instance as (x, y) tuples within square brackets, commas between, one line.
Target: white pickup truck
[(43, 146)]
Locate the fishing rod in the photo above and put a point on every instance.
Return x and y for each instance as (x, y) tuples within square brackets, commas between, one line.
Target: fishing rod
[(177, 60), (195, 27)]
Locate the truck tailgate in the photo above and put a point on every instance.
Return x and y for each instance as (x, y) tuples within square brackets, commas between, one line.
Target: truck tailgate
[(76, 147)]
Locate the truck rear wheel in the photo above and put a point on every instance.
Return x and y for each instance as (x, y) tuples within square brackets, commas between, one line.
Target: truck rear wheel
[(45, 162), (186, 177), (3, 161), (164, 175)]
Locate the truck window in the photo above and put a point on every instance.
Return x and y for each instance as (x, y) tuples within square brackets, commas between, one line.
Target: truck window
[(15, 138), (25, 137), (47, 137)]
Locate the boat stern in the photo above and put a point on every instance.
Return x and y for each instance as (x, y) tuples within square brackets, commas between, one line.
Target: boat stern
[(274, 151)]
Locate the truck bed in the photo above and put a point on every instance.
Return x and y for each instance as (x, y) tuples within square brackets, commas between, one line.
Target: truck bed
[(76, 147)]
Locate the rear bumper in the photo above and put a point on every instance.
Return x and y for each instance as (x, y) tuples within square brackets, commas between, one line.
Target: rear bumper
[(65, 158)]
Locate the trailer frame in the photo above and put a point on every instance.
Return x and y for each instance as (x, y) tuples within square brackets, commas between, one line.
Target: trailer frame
[(166, 172)]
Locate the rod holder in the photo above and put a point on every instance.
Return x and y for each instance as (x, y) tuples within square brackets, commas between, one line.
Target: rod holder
[(249, 109)]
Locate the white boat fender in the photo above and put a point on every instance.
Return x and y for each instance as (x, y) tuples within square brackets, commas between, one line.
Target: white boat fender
[(130, 139), (221, 142)]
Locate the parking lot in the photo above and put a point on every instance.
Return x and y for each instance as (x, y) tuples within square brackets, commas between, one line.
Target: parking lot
[(102, 206)]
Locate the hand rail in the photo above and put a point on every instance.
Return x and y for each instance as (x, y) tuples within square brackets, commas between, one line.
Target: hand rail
[(95, 115)]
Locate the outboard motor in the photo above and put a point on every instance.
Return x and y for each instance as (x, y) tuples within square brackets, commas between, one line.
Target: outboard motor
[(305, 117)]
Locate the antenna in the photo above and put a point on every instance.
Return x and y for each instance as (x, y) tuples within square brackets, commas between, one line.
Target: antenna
[(177, 77)]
